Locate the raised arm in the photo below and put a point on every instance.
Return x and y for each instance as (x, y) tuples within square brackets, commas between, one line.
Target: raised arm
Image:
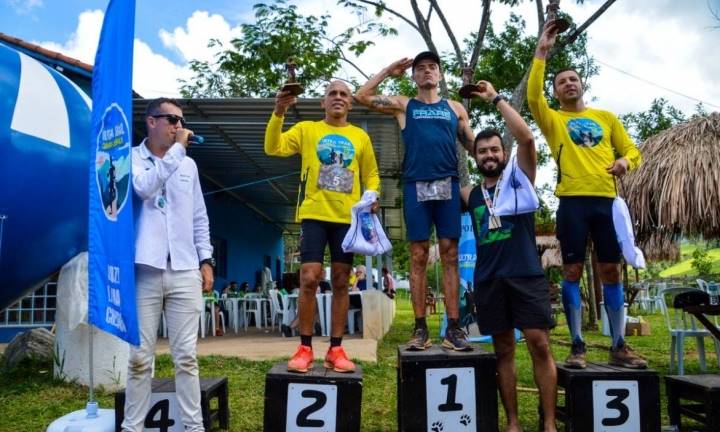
[(387, 104), (537, 103), (526, 152), (278, 143), (464, 132)]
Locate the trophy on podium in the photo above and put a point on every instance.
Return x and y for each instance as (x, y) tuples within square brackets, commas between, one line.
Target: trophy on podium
[(561, 24), (291, 85), (468, 88)]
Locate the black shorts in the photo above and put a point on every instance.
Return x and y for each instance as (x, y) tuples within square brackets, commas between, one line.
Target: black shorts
[(315, 234), (506, 304), (578, 216)]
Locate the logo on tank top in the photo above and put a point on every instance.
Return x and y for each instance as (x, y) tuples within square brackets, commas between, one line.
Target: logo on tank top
[(431, 114), (585, 132)]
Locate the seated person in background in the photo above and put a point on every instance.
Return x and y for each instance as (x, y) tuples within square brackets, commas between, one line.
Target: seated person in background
[(231, 290), (323, 284), (360, 279), (244, 288), (388, 283)]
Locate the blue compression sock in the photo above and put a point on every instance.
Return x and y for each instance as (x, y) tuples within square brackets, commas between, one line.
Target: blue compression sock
[(614, 306), (573, 308)]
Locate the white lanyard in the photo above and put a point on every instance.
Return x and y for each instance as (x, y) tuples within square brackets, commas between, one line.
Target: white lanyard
[(160, 200), (490, 202)]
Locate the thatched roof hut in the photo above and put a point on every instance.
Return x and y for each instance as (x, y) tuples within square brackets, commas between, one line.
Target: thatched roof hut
[(676, 191)]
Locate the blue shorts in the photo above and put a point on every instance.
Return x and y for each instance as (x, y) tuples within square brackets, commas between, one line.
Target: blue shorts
[(421, 216)]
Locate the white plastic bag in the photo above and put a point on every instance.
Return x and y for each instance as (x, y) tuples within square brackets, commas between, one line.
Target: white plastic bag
[(625, 236), (517, 193), (366, 235)]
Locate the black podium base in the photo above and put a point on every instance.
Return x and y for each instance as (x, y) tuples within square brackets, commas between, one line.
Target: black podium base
[(609, 398), (160, 415), (444, 390), (322, 400)]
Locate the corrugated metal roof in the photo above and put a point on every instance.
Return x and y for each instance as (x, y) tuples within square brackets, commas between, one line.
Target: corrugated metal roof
[(233, 155)]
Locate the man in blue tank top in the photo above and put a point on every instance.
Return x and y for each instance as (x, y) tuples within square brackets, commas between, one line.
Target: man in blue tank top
[(431, 190), (510, 286)]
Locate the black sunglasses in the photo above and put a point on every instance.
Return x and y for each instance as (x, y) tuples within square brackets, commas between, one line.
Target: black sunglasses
[(171, 118)]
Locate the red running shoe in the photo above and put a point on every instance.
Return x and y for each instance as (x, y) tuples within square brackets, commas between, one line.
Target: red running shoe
[(302, 360), (337, 360)]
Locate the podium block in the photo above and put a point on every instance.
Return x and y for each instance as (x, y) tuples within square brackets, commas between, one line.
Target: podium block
[(701, 394), (441, 390), (320, 400), (609, 399), (164, 412)]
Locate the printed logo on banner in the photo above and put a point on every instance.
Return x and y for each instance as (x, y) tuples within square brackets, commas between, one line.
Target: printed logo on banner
[(450, 399), (113, 161), (164, 414), (311, 408), (616, 406)]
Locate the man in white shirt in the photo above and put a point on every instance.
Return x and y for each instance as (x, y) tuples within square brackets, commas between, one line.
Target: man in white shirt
[(173, 262)]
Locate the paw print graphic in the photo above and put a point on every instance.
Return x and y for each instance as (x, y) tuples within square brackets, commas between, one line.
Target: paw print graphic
[(465, 419), (437, 427)]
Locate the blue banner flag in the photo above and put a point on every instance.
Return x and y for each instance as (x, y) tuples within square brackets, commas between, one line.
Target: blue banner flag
[(111, 241), (466, 254)]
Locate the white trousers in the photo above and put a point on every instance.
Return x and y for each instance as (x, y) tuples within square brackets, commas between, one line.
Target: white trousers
[(179, 293)]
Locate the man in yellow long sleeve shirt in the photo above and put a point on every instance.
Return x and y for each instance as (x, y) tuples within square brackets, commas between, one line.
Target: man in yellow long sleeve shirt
[(591, 148), (336, 158)]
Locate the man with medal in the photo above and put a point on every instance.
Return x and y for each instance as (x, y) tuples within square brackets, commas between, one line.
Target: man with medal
[(173, 262), (591, 148), (511, 291), (337, 159), (431, 189)]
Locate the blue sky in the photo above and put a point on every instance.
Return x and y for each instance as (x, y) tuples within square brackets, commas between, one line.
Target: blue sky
[(646, 49), (57, 20)]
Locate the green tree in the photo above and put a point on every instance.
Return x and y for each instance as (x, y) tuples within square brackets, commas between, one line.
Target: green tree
[(468, 59), (661, 116), (701, 262), (254, 66)]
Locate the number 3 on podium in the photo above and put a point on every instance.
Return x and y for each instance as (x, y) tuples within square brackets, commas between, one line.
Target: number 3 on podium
[(616, 406)]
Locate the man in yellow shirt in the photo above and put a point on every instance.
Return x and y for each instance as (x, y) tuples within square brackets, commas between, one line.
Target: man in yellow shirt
[(591, 148), (336, 158)]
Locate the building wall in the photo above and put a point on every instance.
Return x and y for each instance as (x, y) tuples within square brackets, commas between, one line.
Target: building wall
[(247, 238)]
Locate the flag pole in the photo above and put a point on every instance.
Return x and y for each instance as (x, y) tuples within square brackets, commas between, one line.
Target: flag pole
[(92, 405)]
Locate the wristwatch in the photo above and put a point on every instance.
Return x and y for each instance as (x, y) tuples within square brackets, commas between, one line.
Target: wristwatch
[(210, 261), (497, 99)]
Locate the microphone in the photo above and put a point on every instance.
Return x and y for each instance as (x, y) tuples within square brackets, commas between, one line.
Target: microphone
[(196, 139)]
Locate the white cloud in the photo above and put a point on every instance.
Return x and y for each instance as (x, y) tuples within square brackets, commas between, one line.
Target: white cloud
[(24, 7), (191, 41), (82, 43), (651, 39), (153, 73)]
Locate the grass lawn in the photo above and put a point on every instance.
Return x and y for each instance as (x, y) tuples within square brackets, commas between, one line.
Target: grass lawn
[(31, 399), (684, 267)]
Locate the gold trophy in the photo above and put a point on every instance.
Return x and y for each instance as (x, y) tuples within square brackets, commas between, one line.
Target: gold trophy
[(291, 85), (468, 88), (561, 24)]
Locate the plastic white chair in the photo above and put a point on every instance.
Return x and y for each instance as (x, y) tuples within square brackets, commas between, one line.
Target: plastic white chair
[(702, 284), (682, 325), (253, 307)]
